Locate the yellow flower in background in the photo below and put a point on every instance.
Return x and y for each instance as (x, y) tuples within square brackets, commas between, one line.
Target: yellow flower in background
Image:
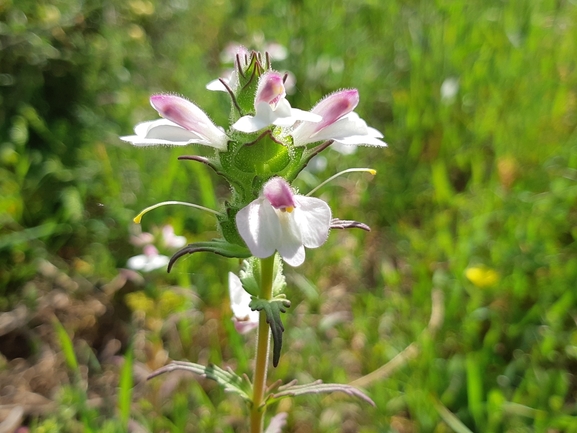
[(482, 276)]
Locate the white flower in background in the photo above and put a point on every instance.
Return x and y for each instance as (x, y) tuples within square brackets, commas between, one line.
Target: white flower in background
[(142, 239), (449, 89), (184, 123), (275, 50), (282, 221), (244, 318), (277, 423), (170, 239), (149, 261), (271, 107), (229, 77), (340, 123)]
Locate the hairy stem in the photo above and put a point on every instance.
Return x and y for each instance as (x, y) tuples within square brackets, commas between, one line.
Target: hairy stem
[(262, 350)]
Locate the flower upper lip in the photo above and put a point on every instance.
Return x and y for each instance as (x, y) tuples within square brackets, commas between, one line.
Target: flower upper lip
[(340, 123), (271, 107), (184, 123)]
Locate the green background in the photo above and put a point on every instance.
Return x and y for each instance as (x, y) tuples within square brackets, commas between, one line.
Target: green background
[(484, 179)]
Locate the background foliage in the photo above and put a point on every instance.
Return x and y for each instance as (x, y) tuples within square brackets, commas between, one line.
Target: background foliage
[(476, 197)]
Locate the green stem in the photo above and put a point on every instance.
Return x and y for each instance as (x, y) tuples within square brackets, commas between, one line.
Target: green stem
[(262, 349)]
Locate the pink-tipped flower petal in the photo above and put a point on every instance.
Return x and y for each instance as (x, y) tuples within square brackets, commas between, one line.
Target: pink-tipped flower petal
[(189, 117), (279, 193), (270, 89), (340, 123), (271, 107)]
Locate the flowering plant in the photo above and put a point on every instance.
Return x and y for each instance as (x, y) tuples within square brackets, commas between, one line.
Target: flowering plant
[(267, 145)]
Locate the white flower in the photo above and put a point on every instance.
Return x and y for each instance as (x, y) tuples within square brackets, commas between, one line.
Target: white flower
[(149, 261), (184, 123), (244, 318), (449, 89), (271, 107), (282, 221), (152, 259), (237, 54), (170, 239), (340, 123)]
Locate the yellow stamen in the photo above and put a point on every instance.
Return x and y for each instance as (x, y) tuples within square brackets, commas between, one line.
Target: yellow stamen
[(138, 217), (350, 170), (289, 209)]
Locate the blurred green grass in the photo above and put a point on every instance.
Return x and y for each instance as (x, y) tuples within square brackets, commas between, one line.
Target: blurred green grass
[(478, 102)]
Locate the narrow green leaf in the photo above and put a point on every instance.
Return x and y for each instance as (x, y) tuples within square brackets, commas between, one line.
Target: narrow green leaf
[(216, 246), (125, 391), (25, 235), (449, 417), (229, 380), (292, 390), (475, 389), (66, 346)]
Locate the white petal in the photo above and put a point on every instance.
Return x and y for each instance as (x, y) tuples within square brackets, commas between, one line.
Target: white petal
[(374, 132), (351, 124), (191, 117), (137, 262), (349, 130), (289, 240), (170, 239), (217, 86), (277, 422), (305, 115), (282, 109), (259, 227), (343, 149), (239, 298), (249, 124), (265, 116), (360, 140), (282, 114), (244, 318), (146, 263), (244, 326), (162, 131), (313, 217), (293, 257)]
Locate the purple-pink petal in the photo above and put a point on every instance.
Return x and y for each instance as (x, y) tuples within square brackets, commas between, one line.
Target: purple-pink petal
[(270, 89), (335, 106), (279, 193)]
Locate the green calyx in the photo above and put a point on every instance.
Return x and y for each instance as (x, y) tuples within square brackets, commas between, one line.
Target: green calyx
[(250, 161), (249, 71)]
